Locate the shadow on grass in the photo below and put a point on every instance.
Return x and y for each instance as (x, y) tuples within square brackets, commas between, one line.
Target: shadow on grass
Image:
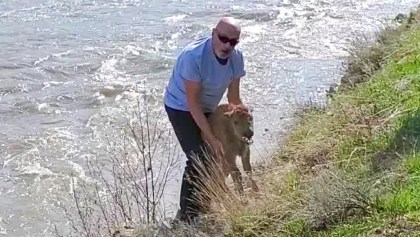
[(409, 134), (405, 141)]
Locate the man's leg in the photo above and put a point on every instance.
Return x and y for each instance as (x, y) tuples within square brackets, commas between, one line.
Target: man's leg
[(189, 137)]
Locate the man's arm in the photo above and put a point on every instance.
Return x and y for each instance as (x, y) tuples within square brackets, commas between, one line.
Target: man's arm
[(192, 81), (193, 92), (233, 94)]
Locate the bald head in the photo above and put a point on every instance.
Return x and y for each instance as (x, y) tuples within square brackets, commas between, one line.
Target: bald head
[(228, 24), (225, 36)]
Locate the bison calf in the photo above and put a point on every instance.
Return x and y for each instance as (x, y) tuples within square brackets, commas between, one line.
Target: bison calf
[(234, 129)]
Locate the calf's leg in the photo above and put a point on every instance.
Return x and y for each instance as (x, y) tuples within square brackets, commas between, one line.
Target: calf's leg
[(245, 156), (234, 172)]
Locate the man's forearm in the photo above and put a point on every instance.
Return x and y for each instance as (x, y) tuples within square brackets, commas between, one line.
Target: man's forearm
[(236, 101), (233, 94), (201, 120), (193, 91), (234, 97)]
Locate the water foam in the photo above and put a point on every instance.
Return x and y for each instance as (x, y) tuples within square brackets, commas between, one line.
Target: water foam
[(108, 71), (175, 18), (36, 169), (253, 32)]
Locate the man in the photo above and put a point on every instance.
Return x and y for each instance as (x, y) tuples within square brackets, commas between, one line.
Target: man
[(204, 70)]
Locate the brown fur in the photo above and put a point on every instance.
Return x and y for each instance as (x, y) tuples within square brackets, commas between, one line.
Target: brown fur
[(230, 126)]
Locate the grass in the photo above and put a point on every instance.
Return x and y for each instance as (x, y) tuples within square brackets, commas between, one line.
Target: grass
[(353, 167)]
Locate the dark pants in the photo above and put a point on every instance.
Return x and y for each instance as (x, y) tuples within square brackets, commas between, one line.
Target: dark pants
[(189, 136)]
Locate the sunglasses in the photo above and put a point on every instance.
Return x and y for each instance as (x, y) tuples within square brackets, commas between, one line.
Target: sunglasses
[(225, 39)]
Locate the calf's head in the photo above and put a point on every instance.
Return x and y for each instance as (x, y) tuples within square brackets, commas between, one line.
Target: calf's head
[(241, 122)]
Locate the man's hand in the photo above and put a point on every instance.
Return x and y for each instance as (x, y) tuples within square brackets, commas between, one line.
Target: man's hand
[(235, 106), (217, 149)]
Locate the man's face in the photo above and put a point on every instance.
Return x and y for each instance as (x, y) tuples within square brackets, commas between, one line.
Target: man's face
[(225, 39)]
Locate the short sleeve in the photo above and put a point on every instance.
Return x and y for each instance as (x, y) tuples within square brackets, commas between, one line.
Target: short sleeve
[(239, 67), (188, 68)]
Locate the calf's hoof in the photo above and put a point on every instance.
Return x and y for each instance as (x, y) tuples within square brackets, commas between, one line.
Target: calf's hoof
[(239, 189), (254, 186)]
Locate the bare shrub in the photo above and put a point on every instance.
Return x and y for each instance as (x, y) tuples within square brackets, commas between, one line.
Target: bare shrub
[(124, 189), (334, 196)]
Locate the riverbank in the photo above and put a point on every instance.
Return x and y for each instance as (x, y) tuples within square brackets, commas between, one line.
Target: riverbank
[(350, 168)]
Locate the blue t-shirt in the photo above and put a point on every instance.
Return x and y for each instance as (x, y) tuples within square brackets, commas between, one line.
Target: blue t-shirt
[(197, 62)]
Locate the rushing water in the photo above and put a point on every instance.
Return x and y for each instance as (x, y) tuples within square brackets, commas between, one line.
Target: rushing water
[(70, 68)]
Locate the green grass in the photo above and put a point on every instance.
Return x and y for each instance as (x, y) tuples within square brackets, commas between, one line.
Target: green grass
[(357, 161), (405, 198)]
